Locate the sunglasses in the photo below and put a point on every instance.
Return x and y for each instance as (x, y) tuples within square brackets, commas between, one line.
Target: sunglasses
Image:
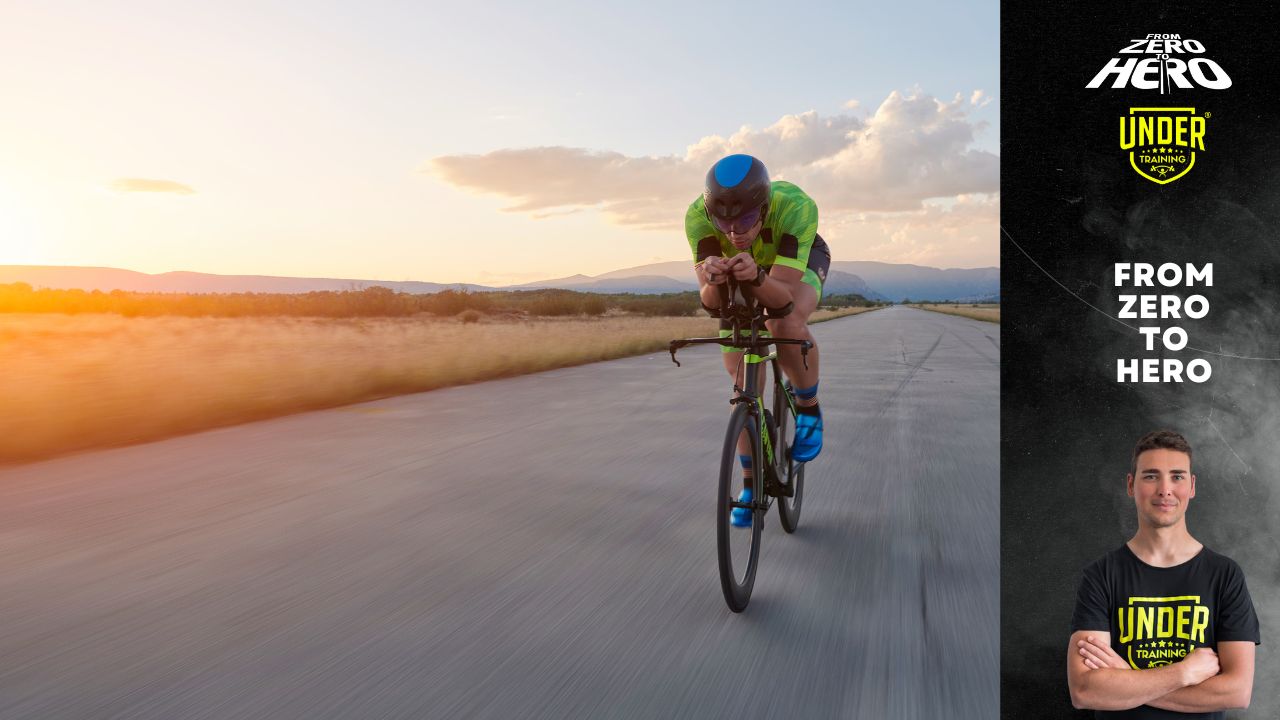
[(738, 225)]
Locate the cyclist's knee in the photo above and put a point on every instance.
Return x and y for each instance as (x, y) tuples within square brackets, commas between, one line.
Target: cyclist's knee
[(806, 300), (791, 326)]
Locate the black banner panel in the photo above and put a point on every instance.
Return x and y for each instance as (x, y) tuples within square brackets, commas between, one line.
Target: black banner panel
[(1140, 212)]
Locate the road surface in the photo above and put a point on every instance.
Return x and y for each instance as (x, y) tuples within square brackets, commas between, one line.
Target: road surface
[(537, 547)]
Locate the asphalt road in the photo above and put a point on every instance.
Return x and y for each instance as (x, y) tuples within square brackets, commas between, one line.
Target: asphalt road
[(536, 547)]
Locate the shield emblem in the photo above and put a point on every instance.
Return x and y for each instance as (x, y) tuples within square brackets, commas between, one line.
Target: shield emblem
[(1162, 142)]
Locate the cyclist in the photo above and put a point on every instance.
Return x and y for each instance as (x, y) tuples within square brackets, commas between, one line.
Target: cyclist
[(764, 234)]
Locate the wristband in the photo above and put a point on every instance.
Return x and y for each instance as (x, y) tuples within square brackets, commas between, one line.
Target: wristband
[(760, 276)]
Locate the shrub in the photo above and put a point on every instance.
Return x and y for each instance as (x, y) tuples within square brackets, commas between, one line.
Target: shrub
[(555, 306), (446, 302)]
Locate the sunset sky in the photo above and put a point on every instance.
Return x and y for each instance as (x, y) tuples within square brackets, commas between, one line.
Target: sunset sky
[(483, 142)]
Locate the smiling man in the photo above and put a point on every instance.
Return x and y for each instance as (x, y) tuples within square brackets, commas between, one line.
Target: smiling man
[(1163, 626)]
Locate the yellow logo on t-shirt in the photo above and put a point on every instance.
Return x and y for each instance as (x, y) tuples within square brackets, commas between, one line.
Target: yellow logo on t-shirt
[(1161, 630)]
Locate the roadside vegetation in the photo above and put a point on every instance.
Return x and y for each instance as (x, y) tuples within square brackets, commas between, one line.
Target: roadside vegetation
[(990, 312), (75, 380), (370, 302)]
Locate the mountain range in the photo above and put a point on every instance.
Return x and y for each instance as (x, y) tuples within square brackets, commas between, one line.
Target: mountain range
[(874, 280)]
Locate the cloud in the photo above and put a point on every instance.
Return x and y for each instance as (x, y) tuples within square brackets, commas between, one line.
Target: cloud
[(132, 185), (979, 99), (633, 190), (913, 148), (959, 232), (556, 213)]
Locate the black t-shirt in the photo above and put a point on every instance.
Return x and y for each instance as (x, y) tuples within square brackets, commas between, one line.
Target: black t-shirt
[(1158, 615)]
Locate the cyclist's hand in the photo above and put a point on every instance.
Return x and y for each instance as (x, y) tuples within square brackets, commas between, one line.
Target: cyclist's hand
[(715, 270), (743, 267)]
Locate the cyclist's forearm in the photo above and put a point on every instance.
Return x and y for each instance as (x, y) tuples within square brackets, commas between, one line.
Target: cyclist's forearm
[(773, 293), (710, 295)]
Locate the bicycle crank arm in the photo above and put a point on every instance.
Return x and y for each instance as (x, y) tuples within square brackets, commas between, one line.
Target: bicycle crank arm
[(776, 488)]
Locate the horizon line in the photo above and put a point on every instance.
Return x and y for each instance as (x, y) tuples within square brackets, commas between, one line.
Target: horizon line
[(429, 282)]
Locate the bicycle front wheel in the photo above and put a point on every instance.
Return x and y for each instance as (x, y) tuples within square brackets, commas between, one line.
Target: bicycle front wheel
[(738, 548)]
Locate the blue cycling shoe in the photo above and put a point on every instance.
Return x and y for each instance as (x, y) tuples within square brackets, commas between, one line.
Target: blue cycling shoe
[(741, 517), (808, 441)]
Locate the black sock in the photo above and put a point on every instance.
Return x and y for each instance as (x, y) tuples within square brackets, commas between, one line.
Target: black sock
[(807, 409)]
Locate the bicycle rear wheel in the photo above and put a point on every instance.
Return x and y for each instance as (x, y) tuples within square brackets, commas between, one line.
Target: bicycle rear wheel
[(738, 549), (789, 471)]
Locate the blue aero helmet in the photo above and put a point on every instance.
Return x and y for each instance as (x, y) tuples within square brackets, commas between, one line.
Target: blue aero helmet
[(737, 193)]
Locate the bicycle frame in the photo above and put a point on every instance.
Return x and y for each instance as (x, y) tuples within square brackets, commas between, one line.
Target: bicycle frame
[(748, 334)]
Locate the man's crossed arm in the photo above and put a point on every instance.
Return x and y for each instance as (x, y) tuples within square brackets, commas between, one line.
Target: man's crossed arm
[(1203, 681)]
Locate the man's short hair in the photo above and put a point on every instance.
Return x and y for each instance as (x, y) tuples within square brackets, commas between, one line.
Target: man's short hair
[(1160, 440)]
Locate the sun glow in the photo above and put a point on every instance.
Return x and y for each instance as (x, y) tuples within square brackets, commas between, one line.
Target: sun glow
[(17, 234)]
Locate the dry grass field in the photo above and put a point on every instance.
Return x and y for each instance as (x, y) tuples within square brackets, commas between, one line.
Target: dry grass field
[(72, 382), (989, 312)]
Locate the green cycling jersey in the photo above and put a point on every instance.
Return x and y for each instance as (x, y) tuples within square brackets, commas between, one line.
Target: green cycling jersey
[(786, 238)]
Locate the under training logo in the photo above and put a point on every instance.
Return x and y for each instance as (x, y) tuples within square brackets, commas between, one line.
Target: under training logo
[(1155, 631), (1162, 142)]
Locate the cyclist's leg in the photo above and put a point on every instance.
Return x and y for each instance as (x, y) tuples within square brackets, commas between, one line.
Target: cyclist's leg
[(737, 370), (796, 326), (807, 442), (802, 371), (806, 294)]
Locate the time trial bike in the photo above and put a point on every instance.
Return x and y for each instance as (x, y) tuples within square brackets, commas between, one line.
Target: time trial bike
[(770, 472)]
